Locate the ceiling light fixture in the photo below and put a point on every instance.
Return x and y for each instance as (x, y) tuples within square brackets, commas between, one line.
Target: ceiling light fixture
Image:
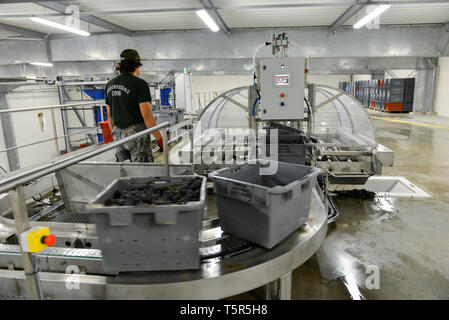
[(42, 64), (372, 15), (207, 20), (60, 26)]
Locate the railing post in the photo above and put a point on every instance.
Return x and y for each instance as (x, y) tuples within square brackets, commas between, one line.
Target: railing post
[(19, 208), (55, 132), (165, 146)]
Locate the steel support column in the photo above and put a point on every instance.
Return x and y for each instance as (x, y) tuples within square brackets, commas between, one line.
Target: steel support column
[(65, 121), (8, 131), (22, 222)]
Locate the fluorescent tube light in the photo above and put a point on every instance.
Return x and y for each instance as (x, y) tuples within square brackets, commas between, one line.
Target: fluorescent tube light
[(60, 26), (370, 16), (207, 20), (42, 64)]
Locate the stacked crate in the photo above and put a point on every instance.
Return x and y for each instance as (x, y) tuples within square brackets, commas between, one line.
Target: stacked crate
[(409, 94), (383, 94)]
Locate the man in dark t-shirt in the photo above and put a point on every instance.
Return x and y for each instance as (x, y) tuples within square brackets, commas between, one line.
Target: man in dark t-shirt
[(128, 101)]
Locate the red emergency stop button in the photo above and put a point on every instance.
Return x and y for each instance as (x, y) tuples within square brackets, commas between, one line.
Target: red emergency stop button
[(49, 240), (282, 95)]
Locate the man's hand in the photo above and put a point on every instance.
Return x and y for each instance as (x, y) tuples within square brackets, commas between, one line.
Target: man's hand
[(160, 143), (148, 117)]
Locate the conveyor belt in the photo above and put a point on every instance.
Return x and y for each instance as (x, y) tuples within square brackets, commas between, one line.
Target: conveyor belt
[(70, 217), (56, 252)]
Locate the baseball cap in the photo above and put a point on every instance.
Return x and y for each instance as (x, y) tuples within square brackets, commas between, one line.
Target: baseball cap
[(131, 55)]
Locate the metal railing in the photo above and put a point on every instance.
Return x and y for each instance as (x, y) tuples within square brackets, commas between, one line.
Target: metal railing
[(53, 122), (23, 176), (15, 181)]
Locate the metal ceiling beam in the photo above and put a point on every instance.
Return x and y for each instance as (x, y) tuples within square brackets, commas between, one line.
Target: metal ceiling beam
[(265, 6), (61, 8), (20, 1), (23, 31), (229, 8), (348, 14), (209, 6)]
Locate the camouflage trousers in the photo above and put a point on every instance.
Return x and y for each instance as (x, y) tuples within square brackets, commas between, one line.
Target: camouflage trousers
[(139, 150)]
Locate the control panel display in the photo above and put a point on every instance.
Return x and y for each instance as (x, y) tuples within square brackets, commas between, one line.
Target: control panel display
[(281, 88), (282, 79)]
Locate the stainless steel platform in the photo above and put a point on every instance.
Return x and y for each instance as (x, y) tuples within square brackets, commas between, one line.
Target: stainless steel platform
[(221, 275)]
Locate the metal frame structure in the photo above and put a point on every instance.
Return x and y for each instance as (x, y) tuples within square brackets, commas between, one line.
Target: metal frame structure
[(364, 155), (64, 98), (228, 274), (11, 145), (216, 279), (14, 183), (90, 16), (63, 9)]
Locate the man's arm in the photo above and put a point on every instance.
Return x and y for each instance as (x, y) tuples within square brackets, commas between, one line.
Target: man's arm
[(148, 118), (111, 125)]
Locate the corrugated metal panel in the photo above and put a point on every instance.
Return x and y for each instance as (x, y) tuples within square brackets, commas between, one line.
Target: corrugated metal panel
[(235, 18), (29, 24), (282, 17), (232, 3), (22, 8), (118, 5), (6, 34), (157, 21), (411, 14)]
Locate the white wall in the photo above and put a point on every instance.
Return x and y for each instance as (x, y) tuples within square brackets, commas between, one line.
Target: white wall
[(27, 126), (330, 80), (361, 77), (442, 89), (401, 73), (207, 83)]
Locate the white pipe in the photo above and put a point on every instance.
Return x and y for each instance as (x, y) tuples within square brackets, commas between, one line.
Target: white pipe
[(299, 47), (260, 46)]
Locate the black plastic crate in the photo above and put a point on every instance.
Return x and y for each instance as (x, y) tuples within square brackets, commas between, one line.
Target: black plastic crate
[(396, 98), (398, 82)]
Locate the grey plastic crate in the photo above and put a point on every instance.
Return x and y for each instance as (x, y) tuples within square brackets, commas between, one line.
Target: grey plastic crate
[(179, 115), (290, 145), (264, 209), (165, 115), (150, 237), (172, 115), (290, 153)]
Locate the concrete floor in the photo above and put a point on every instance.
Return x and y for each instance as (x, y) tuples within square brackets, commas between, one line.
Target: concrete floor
[(408, 240)]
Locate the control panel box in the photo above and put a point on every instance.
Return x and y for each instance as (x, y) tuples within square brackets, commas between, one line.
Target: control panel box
[(281, 88)]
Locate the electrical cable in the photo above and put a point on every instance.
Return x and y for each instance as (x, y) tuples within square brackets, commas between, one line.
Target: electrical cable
[(308, 105), (255, 102)]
